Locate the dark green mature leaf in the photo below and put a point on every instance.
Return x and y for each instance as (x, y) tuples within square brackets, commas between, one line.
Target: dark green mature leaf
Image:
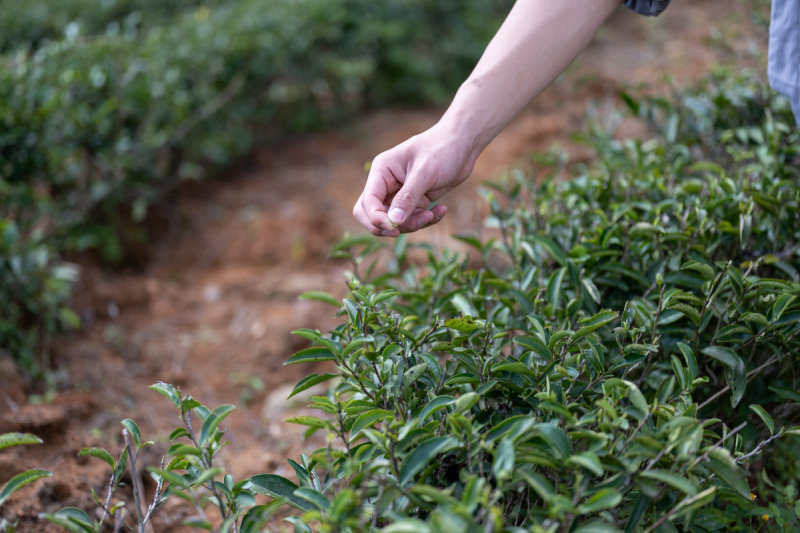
[(588, 325), (764, 416), (434, 405), (311, 355), (16, 439), (541, 485), (212, 421), (671, 478), (555, 437), (756, 318), (20, 480), (691, 361), (309, 381), (589, 461), (169, 391), (780, 306), (515, 367), (737, 380), (368, 419), (603, 499), (464, 325), (278, 487), (705, 270), (554, 285), (423, 454), (412, 374), (314, 497), (687, 310), (407, 525), (534, 344), (596, 527), (513, 425), (721, 463), (133, 429), (724, 355), (99, 453), (551, 247), (73, 519), (787, 393), (504, 459)]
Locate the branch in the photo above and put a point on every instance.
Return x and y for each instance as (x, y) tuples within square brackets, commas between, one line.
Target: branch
[(758, 448), (159, 485), (137, 482), (687, 500), (728, 387)]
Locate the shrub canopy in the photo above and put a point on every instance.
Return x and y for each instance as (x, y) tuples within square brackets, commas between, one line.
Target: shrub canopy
[(617, 356)]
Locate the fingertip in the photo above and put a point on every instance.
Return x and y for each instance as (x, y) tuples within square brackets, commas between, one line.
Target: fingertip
[(396, 216), (439, 211), (425, 218)]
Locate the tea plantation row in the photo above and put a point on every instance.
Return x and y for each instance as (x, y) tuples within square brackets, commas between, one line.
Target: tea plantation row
[(96, 128), (619, 356)]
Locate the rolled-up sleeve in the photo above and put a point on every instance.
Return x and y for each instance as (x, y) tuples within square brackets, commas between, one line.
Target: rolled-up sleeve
[(650, 8)]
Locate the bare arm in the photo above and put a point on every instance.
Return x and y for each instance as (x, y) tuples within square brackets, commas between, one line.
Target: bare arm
[(537, 41)]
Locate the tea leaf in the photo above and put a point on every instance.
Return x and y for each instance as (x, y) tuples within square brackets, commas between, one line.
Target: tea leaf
[(765, 417), (16, 439), (21, 480)]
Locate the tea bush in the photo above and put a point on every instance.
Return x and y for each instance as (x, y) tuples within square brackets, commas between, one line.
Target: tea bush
[(96, 128), (31, 24), (618, 355), (8, 440)]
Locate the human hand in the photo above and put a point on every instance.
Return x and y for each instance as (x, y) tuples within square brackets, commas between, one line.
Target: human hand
[(405, 180)]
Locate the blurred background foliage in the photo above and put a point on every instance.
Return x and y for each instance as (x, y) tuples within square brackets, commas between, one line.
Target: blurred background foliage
[(106, 106)]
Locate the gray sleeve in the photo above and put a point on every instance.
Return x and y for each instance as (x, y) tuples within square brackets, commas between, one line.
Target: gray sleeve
[(784, 51), (650, 8)]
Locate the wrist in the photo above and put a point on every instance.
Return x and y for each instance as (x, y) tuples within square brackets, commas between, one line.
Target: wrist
[(469, 119)]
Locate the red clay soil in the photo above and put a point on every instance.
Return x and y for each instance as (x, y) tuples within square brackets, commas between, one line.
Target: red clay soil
[(213, 307)]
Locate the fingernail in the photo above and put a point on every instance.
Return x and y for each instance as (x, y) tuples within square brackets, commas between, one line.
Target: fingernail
[(425, 220), (396, 215), (439, 217)]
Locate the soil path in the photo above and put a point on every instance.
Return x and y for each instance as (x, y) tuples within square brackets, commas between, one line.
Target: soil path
[(213, 309)]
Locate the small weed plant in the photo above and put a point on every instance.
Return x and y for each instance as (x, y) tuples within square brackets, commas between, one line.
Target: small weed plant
[(618, 355)]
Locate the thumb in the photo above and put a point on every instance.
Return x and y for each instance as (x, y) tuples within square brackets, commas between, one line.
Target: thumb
[(406, 200)]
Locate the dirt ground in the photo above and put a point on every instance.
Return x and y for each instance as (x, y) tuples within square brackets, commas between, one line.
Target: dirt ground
[(213, 307)]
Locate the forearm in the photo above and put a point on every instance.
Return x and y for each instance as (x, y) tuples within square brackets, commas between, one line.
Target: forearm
[(537, 41)]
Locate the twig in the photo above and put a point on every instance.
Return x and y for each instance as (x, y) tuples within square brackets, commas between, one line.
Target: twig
[(111, 487), (658, 313), (159, 485), (728, 387), (758, 448), (719, 443), (686, 501), (708, 302), (635, 431), (137, 482)]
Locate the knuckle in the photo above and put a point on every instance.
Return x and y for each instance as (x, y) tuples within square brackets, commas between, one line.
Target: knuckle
[(380, 159), (375, 217), (404, 196)]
